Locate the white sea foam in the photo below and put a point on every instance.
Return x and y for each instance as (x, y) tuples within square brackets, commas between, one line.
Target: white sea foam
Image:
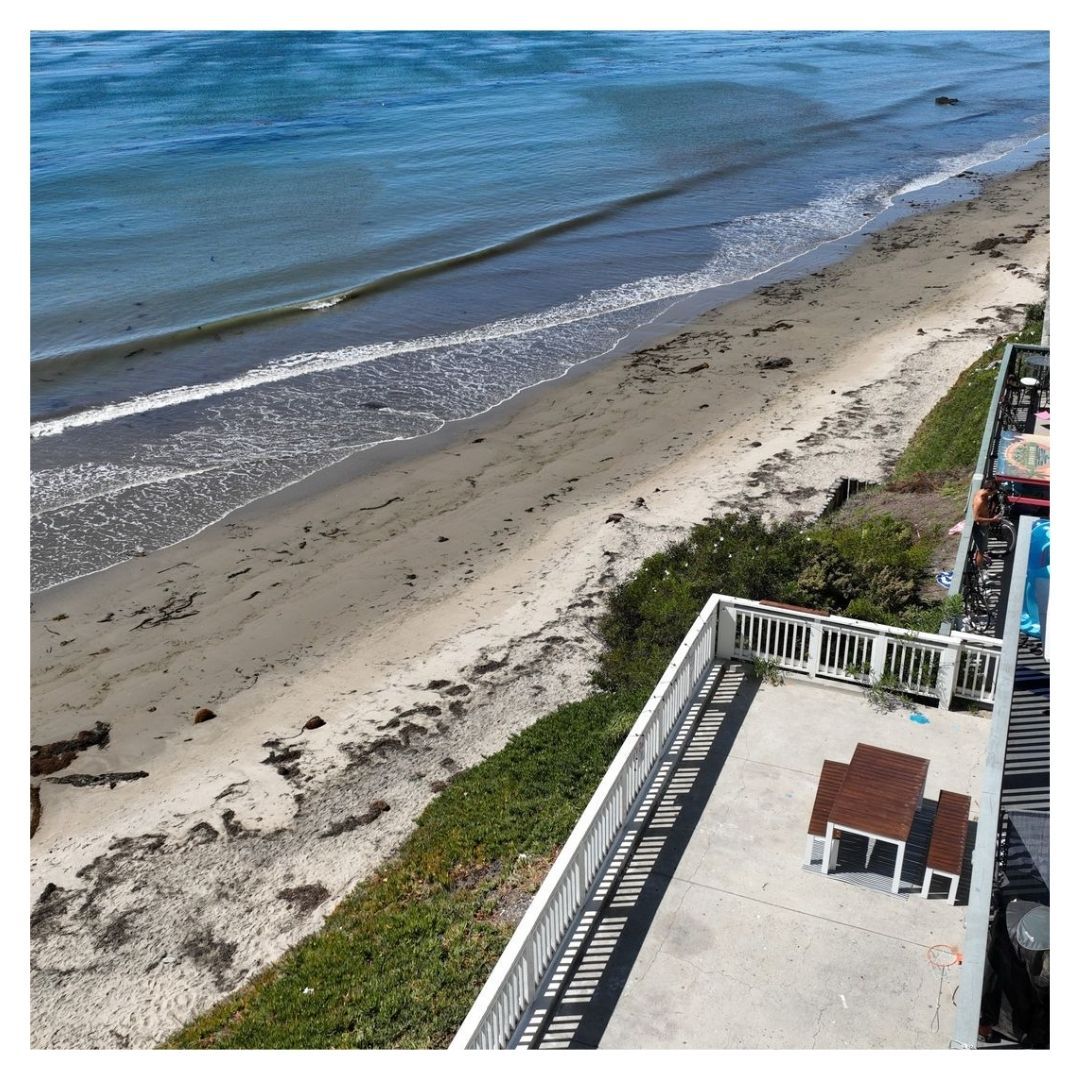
[(950, 166), (320, 305), (74, 485)]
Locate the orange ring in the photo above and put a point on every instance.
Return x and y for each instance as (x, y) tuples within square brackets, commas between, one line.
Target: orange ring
[(955, 956)]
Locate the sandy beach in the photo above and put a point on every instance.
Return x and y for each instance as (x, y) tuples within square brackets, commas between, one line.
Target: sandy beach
[(428, 609)]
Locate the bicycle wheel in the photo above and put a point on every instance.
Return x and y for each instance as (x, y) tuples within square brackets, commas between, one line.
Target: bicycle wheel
[(1005, 531), (977, 610)]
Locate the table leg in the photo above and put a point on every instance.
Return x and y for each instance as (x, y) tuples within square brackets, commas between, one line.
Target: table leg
[(900, 849), (826, 848), (954, 884)]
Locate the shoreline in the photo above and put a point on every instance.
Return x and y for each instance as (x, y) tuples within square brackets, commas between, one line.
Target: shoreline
[(305, 606), (680, 312)]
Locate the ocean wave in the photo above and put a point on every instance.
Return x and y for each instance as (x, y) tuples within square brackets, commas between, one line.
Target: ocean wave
[(320, 305), (948, 167), (748, 247), (752, 246)]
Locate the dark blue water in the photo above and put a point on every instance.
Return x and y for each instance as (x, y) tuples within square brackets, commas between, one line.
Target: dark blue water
[(256, 253)]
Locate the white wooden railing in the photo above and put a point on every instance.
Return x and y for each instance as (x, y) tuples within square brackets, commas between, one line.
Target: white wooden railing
[(510, 987), (938, 666), (819, 646)]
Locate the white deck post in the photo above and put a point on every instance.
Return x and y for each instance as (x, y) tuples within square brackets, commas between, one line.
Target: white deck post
[(725, 630), (826, 853), (813, 649), (878, 651), (901, 847), (948, 669)]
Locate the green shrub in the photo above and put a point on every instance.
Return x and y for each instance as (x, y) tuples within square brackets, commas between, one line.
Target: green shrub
[(768, 671), (890, 588), (866, 610), (877, 541), (647, 615), (928, 620), (828, 580)]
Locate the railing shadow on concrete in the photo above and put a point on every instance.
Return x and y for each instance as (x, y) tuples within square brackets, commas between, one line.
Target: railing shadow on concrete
[(577, 1003)]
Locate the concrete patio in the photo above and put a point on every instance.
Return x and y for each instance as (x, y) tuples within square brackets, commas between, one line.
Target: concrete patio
[(713, 935)]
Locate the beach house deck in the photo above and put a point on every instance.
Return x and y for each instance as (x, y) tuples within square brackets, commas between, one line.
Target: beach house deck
[(716, 933), (688, 908), (687, 880)]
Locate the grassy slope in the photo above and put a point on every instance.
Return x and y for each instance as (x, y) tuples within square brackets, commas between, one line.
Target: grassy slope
[(951, 434), (401, 959)]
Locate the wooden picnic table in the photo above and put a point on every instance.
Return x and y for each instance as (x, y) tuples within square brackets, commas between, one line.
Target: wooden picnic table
[(878, 798)]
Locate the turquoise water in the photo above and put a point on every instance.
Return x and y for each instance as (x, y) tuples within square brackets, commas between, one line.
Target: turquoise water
[(256, 253)]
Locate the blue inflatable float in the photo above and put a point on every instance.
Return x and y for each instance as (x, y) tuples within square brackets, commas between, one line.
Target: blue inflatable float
[(1037, 590)]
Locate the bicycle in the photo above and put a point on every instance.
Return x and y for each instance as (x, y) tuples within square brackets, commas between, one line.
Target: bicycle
[(1002, 530), (979, 611)]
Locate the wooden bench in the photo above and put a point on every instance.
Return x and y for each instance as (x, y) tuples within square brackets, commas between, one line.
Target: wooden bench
[(832, 776), (948, 841), (1028, 500), (793, 607)]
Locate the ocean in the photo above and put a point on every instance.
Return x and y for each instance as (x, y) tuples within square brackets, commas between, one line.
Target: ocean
[(254, 254)]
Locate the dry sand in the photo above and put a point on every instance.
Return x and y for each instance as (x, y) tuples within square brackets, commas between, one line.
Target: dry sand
[(430, 609)]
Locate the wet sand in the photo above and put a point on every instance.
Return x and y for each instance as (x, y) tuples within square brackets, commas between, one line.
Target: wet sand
[(427, 610)]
